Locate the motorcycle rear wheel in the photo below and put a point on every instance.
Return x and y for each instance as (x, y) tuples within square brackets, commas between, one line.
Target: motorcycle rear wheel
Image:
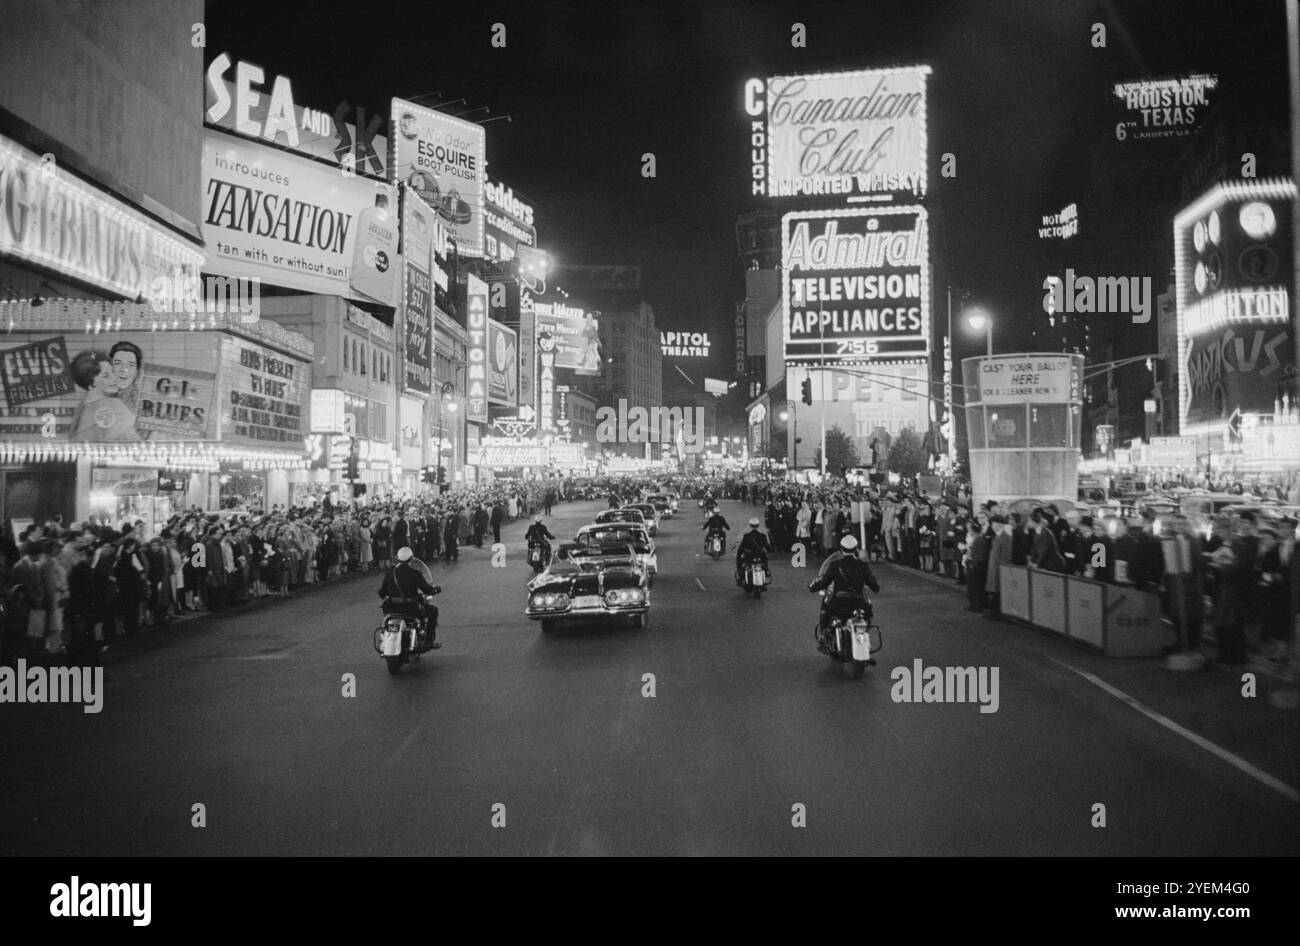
[(394, 665)]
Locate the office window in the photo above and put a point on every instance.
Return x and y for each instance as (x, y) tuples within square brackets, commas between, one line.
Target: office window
[(345, 352)]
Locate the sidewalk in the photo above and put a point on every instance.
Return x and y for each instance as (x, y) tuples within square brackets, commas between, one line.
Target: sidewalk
[(154, 636), (127, 646), (1208, 703)]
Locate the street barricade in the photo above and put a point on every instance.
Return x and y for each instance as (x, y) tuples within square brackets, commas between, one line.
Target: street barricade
[(1117, 620)]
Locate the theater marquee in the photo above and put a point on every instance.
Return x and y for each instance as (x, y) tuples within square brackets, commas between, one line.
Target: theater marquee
[(856, 286)]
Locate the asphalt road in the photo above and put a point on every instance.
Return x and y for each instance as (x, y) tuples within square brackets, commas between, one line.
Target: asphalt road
[(245, 714)]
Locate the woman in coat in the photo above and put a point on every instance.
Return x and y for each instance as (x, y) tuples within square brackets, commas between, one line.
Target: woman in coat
[(383, 536), (802, 529), (365, 547)]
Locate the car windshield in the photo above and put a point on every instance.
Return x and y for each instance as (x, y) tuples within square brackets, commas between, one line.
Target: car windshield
[(631, 537), (594, 559)]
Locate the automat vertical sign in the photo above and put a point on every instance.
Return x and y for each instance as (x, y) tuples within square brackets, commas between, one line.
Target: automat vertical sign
[(476, 349)]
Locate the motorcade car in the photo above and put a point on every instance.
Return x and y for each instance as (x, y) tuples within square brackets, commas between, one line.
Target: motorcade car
[(597, 582)]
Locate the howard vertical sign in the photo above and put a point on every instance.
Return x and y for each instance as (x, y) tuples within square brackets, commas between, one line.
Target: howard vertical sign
[(476, 328)]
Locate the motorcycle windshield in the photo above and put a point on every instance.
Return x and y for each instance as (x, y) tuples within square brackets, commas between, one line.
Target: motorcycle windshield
[(421, 569)]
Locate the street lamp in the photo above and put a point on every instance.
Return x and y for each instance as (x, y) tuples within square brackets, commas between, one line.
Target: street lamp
[(792, 411), (445, 396), (980, 321)]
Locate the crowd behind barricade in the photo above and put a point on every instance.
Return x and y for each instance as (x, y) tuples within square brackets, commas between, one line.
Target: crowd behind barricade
[(71, 590), (66, 592), (1243, 568)]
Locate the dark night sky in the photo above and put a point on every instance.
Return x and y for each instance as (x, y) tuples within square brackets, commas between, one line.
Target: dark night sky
[(1017, 93)]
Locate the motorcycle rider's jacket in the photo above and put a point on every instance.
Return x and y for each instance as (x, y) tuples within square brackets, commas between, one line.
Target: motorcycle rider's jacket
[(846, 575), (538, 533), (716, 523), (754, 544), (403, 584)]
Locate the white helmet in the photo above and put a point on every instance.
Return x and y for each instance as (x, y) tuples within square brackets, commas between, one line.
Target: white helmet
[(848, 543), (404, 554), (754, 522)]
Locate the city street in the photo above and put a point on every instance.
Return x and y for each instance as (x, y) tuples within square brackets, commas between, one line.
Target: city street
[(245, 714)]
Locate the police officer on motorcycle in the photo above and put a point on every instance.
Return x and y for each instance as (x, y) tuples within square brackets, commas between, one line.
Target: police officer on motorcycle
[(406, 590), (848, 577), (538, 534), (754, 546), (716, 524)]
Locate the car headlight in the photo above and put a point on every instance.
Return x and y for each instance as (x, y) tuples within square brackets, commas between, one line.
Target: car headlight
[(549, 601), (539, 601), (613, 597)]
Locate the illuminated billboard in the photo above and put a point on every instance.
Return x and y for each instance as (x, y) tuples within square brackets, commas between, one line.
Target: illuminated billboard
[(856, 286), (1233, 272), (348, 137), (1162, 108), (684, 344), (293, 222), (839, 133), (53, 219), (442, 159), (575, 333)]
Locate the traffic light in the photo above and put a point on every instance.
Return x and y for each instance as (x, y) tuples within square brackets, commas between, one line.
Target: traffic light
[(430, 475), (442, 476), (353, 469), (806, 387)]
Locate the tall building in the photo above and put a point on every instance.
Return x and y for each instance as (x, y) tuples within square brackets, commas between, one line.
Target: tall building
[(632, 364), (758, 240), (100, 157)]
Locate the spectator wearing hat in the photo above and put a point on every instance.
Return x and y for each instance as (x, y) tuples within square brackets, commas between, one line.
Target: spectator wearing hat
[(131, 575), (217, 574), (79, 616), (1148, 569), (30, 598), (1274, 595), (977, 568), (1022, 539), (1045, 554), (1000, 553), (1231, 571)]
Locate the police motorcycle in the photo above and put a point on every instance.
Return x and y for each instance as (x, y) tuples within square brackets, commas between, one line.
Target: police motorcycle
[(539, 555), (754, 574), (752, 570), (847, 633), (404, 636)]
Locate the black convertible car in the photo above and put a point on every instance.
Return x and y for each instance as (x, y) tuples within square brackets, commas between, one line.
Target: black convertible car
[(595, 582)]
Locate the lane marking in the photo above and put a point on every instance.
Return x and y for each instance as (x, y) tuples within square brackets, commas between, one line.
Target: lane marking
[(701, 584), (1276, 784)]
